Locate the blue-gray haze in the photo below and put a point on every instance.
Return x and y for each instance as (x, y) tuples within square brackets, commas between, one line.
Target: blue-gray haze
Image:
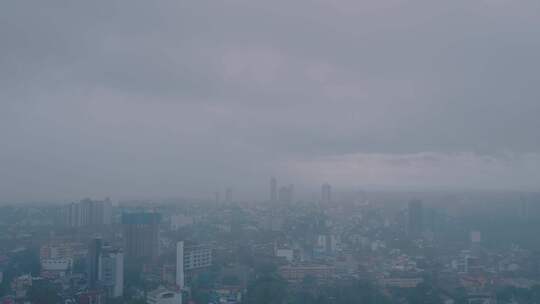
[(169, 98)]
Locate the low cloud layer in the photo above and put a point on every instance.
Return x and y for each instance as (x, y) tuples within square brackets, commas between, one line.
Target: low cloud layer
[(169, 98)]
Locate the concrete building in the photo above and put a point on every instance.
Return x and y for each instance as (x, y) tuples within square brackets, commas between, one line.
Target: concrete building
[(56, 260), (179, 220), (163, 296), (55, 251), (298, 273), (404, 282), (141, 235), (55, 268), (286, 253), (91, 297), (93, 263), (105, 269), (180, 278), (197, 257), (72, 215), (20, 285), (467, 263), (111, 274), (190, 258), (88, 212), (286, 194), (326, 244)]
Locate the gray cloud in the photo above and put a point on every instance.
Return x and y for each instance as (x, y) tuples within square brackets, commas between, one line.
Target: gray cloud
[(164, 98)]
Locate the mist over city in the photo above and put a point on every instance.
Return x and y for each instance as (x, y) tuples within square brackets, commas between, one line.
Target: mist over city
[(280, 152)]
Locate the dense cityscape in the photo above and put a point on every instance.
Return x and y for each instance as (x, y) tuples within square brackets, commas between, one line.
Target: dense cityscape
[(361, 247), (269, 152)]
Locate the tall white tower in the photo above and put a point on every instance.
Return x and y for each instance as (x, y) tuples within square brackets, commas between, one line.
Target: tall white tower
[(180, 264)]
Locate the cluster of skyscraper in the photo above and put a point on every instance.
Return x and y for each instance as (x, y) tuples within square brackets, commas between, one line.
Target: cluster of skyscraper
[(326, 193), (105, 265), (88, 213), (285, 194), (228, 196)]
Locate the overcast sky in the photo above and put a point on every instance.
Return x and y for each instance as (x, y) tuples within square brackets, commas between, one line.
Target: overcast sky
[(170, 98)]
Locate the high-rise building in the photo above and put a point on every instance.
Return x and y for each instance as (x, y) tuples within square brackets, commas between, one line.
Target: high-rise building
[(111, 275), (273, 190), (189, 258), (326, 193), (415, 223), (141, 235), (196, 257), (94, 255), (105, 269), (72, 215), (88, 213), (180, 265), (286, 194)]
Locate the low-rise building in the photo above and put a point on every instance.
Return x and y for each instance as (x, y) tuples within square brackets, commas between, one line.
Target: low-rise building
[(54, 268), (163, 296), (401, 282), (298, 273)]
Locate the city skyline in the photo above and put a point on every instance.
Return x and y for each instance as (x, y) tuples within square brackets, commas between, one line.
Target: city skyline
[(134, 99), (269, 152)]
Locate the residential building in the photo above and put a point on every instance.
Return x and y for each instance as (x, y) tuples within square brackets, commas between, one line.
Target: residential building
[(163, 296), (141, 235)]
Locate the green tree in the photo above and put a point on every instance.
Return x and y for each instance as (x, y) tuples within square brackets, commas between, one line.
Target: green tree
[(27, 261), (353, 291), (230, 280), (267, 289), (424, 293), (43, 292)]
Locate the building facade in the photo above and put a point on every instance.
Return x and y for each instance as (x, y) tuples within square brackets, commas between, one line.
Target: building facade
[(88, 212), (141, 235), (111, 274), (163, 296), (190, 258), (326, 194)]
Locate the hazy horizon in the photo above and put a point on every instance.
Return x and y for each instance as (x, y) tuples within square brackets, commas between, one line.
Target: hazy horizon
[(135, 99)]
